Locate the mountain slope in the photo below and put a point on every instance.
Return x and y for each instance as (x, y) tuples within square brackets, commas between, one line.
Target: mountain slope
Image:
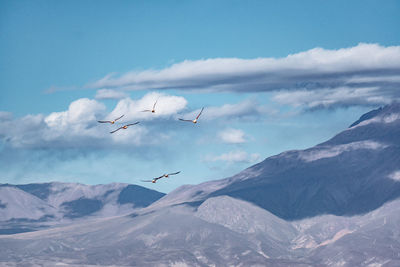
[(34, 206), (350, 174), (17, 204), (222, 232)]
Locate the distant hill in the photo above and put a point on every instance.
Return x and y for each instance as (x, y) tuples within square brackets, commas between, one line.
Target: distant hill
[(35, 205)]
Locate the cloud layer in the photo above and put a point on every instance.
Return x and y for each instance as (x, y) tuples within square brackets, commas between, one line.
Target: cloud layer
[(234, 157), (110, 94), (395, 176), (232, 136), (166, 106), (366, 74), (77, 127)]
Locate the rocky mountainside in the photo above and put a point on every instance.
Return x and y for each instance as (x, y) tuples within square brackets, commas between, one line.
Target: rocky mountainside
[(355, 172), (222, 231)]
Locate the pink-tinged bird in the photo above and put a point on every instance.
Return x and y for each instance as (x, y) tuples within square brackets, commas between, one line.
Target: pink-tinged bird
[(112, 122), (125, 127), (154, 180), (151, 110), (195, 120)]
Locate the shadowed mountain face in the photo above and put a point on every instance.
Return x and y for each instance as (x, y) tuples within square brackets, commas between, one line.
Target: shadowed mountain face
[(351, 183), (352, 173), (138, 195), (367, 116)]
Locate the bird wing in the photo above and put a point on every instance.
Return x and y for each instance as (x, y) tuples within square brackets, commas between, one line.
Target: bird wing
[(199, 113), (118, 118), (104, 121), (146, 110), (132, 123), (159, 177), (174, 173), (147, 181), (116, 130), (185, 120), (155, 104)]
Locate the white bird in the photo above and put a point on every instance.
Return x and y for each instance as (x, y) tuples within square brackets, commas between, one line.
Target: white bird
[(195, 120), (112, 122), (151, 110), (154, 180), (124, 127)]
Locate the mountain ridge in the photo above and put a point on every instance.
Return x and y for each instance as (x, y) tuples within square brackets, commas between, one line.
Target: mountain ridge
[(61, 203), (346, 175)]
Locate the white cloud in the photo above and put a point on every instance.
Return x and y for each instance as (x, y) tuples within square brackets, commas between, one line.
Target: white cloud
[(167, 105), (79, 112), (327, 97), (234, 156), (395, 176), (23, 132), (371, 68), (110, 94), (4, 115), (321, 152), (135, 135), (77, 127), (78, 121), (245, 109), (232, 136)]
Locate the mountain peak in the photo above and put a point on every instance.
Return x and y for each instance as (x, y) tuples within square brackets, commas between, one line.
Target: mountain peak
[(367, 116), (393, 108)]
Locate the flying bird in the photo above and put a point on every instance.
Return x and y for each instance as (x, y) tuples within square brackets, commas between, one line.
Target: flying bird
[(124, 127), (154, 180), (112, 122), (195, 120), (151, 110)]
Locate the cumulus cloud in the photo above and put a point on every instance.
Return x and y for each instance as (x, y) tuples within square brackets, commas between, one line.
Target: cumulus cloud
[(77, 127), (79, 113), (234, 157), (366, 70), (71, 128), (4, 115), (110, 94), (167, 105), (232, 136), (395, 176)]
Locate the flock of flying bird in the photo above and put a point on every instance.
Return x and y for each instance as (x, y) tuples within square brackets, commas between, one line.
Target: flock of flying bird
[(166, 175)]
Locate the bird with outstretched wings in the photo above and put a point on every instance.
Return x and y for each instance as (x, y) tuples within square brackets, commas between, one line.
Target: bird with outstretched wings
[(166, 175), (151, 110), (195, 120), (112, 122), (124, 127)]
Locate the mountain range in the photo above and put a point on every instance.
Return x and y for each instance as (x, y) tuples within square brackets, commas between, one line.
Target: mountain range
[(36, 206), (335, 204)]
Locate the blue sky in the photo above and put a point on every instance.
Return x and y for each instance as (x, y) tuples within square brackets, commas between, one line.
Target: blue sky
[(272, 76)]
